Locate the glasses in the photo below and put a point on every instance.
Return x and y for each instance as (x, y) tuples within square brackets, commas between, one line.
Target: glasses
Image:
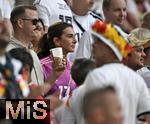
[(34, 21)]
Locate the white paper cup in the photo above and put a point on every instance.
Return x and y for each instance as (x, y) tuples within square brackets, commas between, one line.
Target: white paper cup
[(57, 55), (57, 52)]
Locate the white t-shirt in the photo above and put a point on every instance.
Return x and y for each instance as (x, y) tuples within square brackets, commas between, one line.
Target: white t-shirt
[(80, 25), (53, 11), (131, 89), (82, 21), (85, 46), (97, 7), (145, 73)]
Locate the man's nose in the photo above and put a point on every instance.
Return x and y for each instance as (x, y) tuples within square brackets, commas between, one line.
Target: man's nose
[(143, 53)]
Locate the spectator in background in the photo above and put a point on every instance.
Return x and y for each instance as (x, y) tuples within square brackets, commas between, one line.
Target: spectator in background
[(24, 56), (53, 11), (139, 60), (97, 108), (138, 38), (59, 35), (114, 12), (25, 20), (79, 71), (83, 18)]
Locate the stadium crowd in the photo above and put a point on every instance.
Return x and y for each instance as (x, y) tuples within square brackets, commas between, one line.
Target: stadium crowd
[(89, 58)]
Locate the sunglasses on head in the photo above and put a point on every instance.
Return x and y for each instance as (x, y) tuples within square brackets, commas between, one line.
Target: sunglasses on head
[(34, 21)]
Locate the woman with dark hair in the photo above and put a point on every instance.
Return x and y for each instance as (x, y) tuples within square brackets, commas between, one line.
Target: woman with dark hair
[(59, 35)]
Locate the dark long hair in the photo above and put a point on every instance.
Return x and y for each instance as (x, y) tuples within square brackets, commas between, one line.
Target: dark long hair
[(46, 42)]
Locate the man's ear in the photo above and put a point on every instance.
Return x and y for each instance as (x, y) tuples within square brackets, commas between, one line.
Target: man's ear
[(20, 23), (57, 41)]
